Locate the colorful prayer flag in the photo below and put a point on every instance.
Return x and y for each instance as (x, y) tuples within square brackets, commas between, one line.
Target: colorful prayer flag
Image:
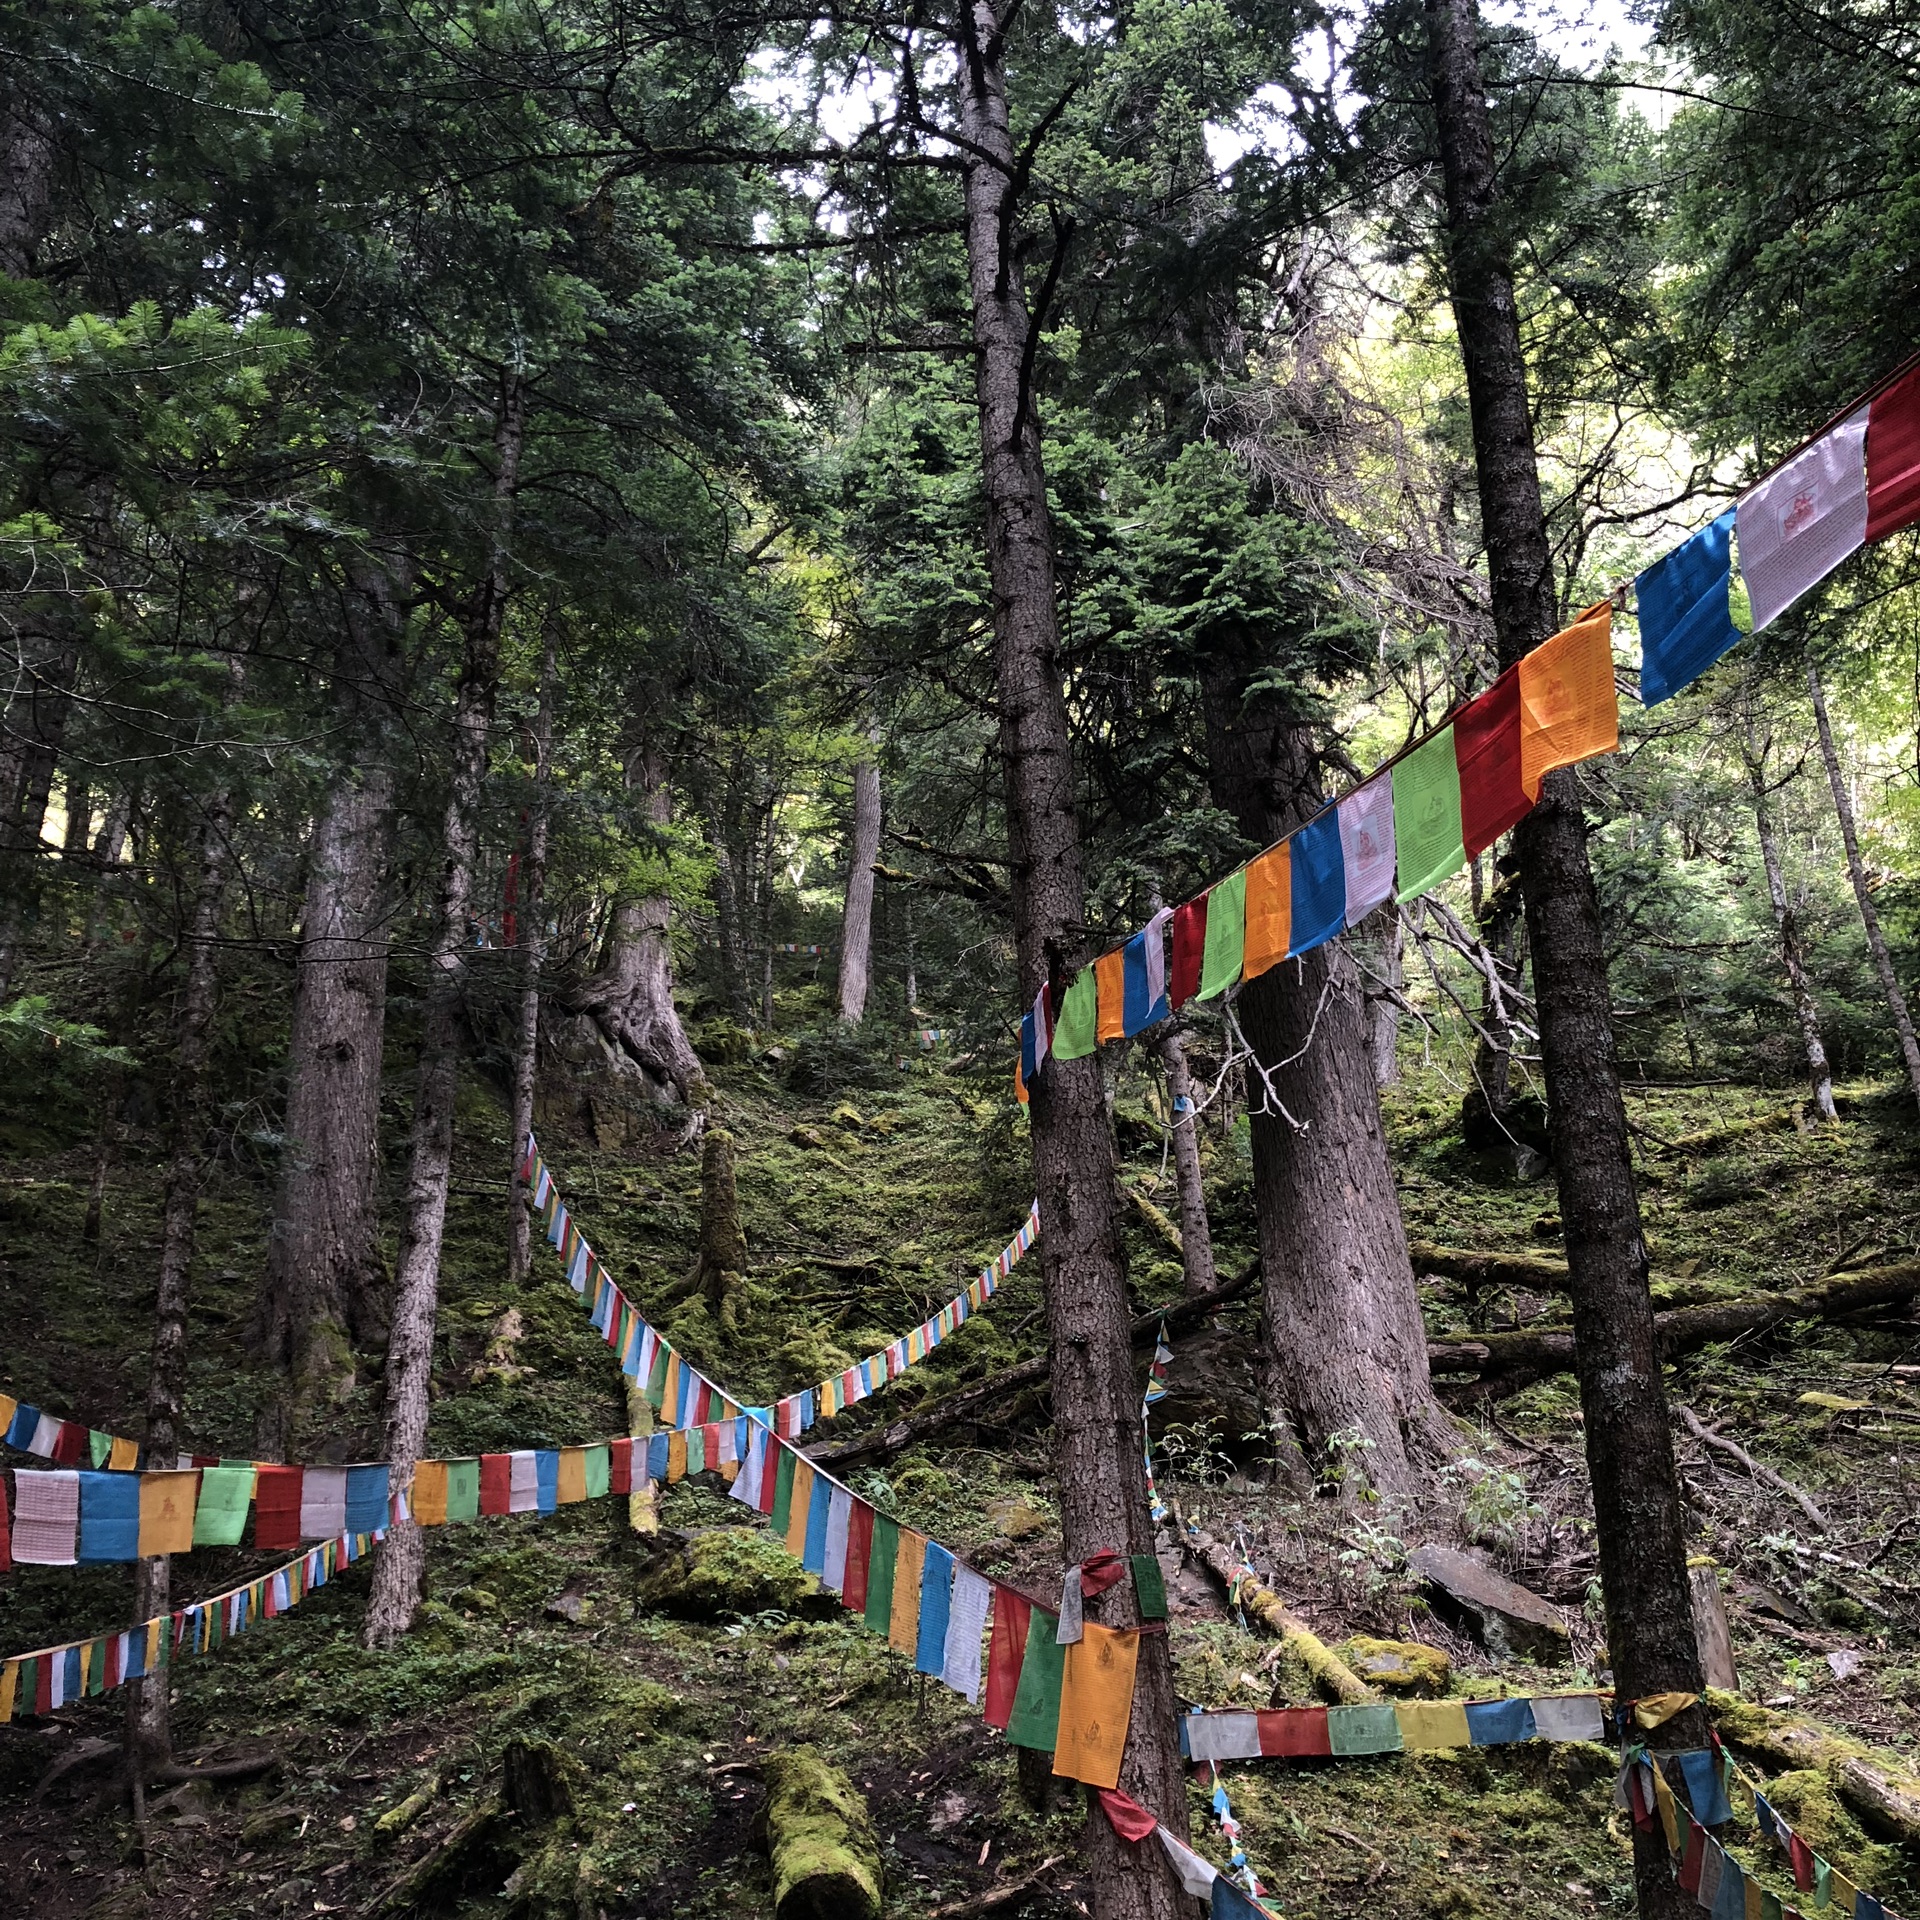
[(277, 1498), (936, 1606), (1110, 986), (167, 1501), (1366, 847), (1189, 945), (1486, 747), (323, 1503), (109, 1517), (367, 1493), (903, 1624), (1096, 1704), (1686, 613), (1035, 1719), (1568, 708), (1226, 935), (853, 1593), (1295, 1733), (1893, 457), (1498, 1723), (1076, 1024), (882, 1566), (1319, 906), (1145, 967), (966, 1621), (1429, 1725), (1799, 523), (1426, 815), (220, 1516), (1007, 1652)]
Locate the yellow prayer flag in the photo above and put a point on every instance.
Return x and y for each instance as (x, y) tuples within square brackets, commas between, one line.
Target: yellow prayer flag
[(167, 1502), (797, 1505), (1269, 910), (9, 1406), (9, 1687), (153, 1645), (1110, 986), (1568, 708), (676, 1456), (123, 1456), (429, 1498), (1669, 1812), (1755, 1904), (903, 1623), (571, 1487), (1428, 1725), (1096, 1704), (1656, 1709)]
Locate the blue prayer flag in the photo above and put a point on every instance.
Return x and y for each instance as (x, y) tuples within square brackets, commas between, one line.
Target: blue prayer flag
[(1141, 1001), (546, 1480), (1319, 872), (1499, 1723), (683, 1398), (936, 1601), (109, 1516), (813, 1550), (1686, 621), (1029, 1061), (1229, 1903), (1730, 1897), (656, 1457), (25, 1420), (366, 1499), (1700, 1769)]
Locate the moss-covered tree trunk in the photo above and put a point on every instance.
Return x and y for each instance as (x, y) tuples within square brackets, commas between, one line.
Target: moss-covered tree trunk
[(826, 1863), (719, 1271)]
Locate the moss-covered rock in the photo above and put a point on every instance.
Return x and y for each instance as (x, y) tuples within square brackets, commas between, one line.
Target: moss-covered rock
[(826, 1862), (730, 1571), (1400, 1666)]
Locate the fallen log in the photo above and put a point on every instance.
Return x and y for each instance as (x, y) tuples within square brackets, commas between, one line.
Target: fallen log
[(1537, 1270), (826, 1862), (1262, 1605), (956, 1409), (1876, 1786), (1503, 1363)]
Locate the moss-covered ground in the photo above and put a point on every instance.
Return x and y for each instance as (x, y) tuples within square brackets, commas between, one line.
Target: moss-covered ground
[(869, 1191)]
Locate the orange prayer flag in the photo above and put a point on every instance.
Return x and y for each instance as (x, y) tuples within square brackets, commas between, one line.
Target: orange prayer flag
[(1269, 910), (429, 1498), (1568, 708), (903, 1618), (167, 1502), (797, 1508), (1096, 1704), (677, 1456), (1110, 986)]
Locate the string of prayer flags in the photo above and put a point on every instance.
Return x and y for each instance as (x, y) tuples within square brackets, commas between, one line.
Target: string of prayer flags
[(1402, 1726), (68, 1443), (1144, 976), (1198, 1877)]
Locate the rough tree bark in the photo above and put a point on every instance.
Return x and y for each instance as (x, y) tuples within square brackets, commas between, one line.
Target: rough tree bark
[(401, 1560), (1342, 1326), (1786, 918), (322, 1291), (35, 726), (532, 951), (1641, 1528), (1196, 1237), (1862, 892), (856, 920), (630, 1000), (1096, 1399), (148, 1720), (1380, 1000), (729, 922)]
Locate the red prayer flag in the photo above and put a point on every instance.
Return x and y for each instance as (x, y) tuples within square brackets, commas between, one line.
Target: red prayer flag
[(702, 1405), (1486, 747), (69, 1444), (1694, 1858), (769, 1472), (1189, 946), (1131, 1821), (1099, 1571), (853, 1590), (1011, 1612), (276, 1508), (496, 1483), (43, 1683), (1295, 1732), (1802, 1857), (620, 1466), (1893, 457), (114, 1673)]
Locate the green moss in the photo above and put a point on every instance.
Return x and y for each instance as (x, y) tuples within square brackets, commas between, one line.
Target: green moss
[(1807, 1799), (1400, 1666), (826, 1863), (728, 1573)]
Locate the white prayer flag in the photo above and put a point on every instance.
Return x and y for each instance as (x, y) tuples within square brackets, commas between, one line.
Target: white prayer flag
[(1798, 524), (1223, 1736), (46, 1518), (1366, 847), (323, 1503), (523, 1485), (833, 1576), (1568, 1716), (1196, 1876), (966, 1622)]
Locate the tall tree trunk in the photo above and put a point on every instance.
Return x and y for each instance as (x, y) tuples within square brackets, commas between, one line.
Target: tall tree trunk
[(1095, 1397), (108, 847), (630, 1000), (856, 919), (186, 1169), (1380, 999), (1641, 1528), (1486, 1111), (26, 178), (401, 1561), (36, 724), (1862, 892), (532, 951), (768, 844), (1196, 1238), (726, 902), (323, 1287), (1786, 919), (1345, 1345)]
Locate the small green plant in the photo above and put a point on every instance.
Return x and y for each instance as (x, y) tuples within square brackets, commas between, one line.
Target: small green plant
[(1346, 1469)]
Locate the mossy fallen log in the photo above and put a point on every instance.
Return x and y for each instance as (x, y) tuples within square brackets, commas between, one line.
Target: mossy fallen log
[(1883, 1792), (1540, 1271), (826, 1862), (1501, 1363), (1265, 1609)]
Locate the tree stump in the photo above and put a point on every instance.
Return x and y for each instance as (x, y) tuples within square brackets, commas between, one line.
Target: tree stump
[(720, 1270)]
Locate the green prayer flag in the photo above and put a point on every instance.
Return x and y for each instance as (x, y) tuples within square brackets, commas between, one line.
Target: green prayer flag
[(220, 1517), (1822, 1883), (881, 1556), (1770, 1906), (1036, 1701), (1149, 1586), (782, 1494), (1365, 1729), (1226, 935), (97, 1667), (657, 1374), (100, 1445), (1427, 840), (599, 1471), (1078, 1019), (696, 1450), (463, 1490)]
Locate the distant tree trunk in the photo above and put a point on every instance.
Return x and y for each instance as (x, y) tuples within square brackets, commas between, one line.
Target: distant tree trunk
[(768, 844), (26, 179), (1096, 1400), (1196, 1238), (36, 724), (856, 919), (322, 1290), (108, 847), (727, 914), (1786, 919), (77, 842), (630, 1001), (913, 965), (1487, 1110), (532, 952), (1862, 892), (1386, 1013), (188, 1098), (1345, 1348), (1640, 1526), (401, 1561)]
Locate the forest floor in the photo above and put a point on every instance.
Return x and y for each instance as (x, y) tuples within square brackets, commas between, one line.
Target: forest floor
[(871, 1187)]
